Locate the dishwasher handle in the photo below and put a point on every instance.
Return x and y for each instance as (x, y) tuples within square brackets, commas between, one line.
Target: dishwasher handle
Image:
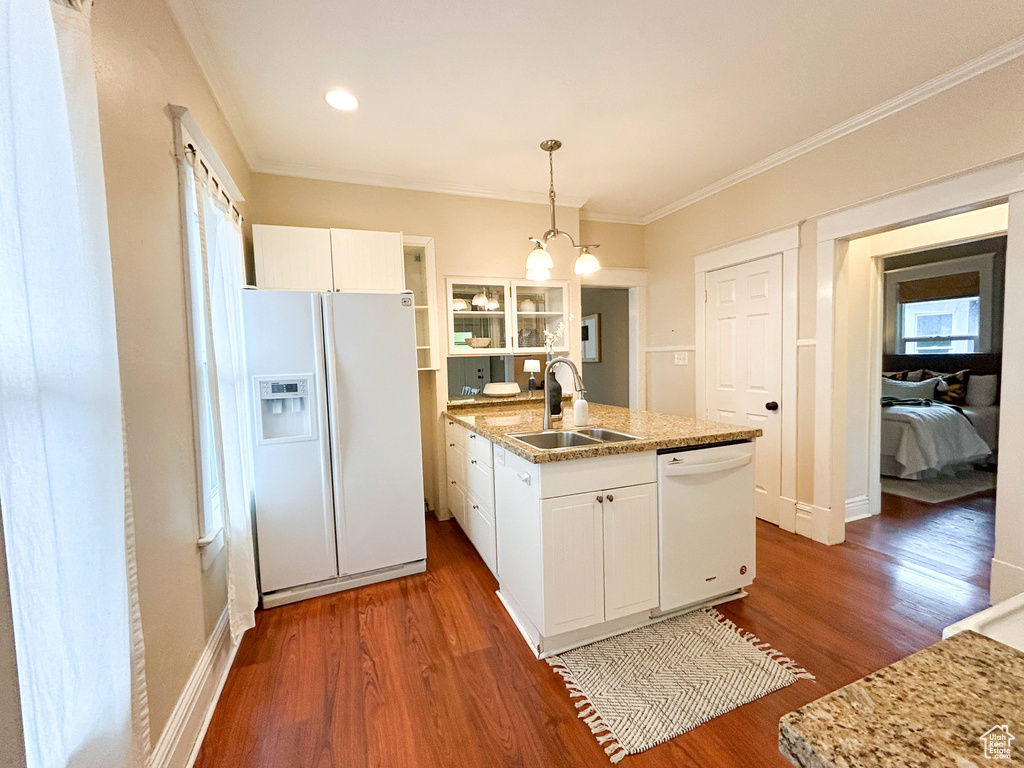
[(671, 469)]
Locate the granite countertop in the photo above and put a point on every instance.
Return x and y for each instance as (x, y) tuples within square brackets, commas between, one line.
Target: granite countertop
[(655, 430), (929, 709), (537, 396)]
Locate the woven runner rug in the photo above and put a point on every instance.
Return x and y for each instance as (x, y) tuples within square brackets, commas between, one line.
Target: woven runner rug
[(647, 686)]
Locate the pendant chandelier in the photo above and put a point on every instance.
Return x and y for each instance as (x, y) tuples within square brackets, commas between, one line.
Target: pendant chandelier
[(539, 263)]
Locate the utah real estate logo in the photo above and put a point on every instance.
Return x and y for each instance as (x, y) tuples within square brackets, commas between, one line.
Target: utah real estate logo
[(998, 742)]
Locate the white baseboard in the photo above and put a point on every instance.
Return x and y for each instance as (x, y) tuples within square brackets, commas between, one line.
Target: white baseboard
[(858, 508), (179, 743), (812, 522), (1007, 580), (787, 514)]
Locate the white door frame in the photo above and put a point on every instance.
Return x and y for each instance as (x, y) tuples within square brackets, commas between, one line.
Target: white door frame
[(635, 280), (987, 185), (784, 241)]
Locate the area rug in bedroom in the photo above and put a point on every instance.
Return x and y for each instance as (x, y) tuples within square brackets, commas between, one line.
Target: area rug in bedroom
[(936, 490), (647, 686)]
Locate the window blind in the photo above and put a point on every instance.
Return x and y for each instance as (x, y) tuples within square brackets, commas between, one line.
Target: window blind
[(942, 287)]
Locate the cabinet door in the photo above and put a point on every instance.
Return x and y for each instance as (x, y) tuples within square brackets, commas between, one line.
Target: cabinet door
[(292, 258), (630, 550), (536, 308), (573, 562), (478, 322), (456, 461), (480, 530), (367, 261)]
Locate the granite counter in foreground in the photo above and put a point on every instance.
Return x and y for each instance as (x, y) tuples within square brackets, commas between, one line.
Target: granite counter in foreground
[(656, 431), (928, 710)]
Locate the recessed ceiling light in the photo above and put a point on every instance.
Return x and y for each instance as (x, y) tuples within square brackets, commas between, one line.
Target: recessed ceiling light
[(342, 100)]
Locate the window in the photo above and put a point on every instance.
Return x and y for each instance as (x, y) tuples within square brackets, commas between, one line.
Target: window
[(946, 326), (200, 231), (943, 307)]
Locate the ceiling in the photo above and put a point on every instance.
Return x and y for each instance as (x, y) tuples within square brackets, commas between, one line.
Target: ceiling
[(654, 100)]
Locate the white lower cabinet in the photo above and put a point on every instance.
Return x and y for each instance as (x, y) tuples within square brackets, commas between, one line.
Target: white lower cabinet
[(471, 488), (573, 562)]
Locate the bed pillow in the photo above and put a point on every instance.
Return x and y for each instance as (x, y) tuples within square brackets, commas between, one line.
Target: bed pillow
[(896, 375), (909, 390), (952, 387), (982, 390)]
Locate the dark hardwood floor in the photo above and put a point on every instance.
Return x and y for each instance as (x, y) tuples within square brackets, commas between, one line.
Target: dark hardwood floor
[(430, 671)]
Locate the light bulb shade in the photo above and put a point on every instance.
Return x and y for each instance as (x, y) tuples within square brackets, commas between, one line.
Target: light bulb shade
[(531, 366), (586, 264), (480, 300), (539, 258), (538, 275), (493, 305)]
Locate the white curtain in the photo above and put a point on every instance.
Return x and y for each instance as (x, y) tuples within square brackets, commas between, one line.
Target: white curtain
[(63, 483), (222, 274)]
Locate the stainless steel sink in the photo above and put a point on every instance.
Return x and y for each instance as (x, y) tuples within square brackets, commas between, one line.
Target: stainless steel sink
[(606, 435), (551, 439)]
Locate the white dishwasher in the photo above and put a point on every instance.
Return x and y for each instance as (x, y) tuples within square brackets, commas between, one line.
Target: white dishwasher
[(706, 519)]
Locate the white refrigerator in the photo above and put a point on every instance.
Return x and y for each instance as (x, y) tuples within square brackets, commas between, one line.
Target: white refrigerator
[(337, 472)]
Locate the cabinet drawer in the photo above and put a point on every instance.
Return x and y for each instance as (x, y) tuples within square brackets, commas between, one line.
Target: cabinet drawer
[(480, 485), (456, 502), (454, 433), (456, 462), (480, 530), (478, 448)]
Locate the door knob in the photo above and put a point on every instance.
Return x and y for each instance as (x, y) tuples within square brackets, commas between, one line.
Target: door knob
[(600, 499), (772, 406), (610, 497)]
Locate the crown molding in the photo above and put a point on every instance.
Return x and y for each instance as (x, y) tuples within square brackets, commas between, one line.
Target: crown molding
[(610, 218), (987, 61), (210, 67), (299, 170)]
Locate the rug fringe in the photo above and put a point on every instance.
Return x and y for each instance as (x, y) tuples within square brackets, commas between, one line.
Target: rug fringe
[(589, 714), (784, 661)]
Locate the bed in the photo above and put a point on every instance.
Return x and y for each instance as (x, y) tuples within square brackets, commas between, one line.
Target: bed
[(919, 442)]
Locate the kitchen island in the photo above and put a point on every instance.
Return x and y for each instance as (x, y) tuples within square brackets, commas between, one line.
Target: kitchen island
[(582, 540)]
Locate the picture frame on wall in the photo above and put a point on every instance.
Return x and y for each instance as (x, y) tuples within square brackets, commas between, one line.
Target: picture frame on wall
[(591, 332)]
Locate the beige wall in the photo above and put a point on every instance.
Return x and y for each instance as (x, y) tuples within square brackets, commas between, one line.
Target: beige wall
[(142, 64), (622, 245), (977, 122), (472, 236)]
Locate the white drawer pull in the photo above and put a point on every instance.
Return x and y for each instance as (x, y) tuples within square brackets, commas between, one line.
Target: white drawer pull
[(525, 477)]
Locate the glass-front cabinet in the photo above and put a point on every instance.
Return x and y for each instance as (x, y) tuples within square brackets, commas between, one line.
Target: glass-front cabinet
[(540, 308), (488, 316), (477, 316)]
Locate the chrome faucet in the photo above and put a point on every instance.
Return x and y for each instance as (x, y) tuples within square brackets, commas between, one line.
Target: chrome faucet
[(577, 382)]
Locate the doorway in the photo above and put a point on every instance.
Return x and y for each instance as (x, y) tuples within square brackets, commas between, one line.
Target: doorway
[(743, 353), (604, 327)]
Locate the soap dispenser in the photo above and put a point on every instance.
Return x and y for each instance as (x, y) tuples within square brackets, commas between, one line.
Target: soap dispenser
[(581, 410)]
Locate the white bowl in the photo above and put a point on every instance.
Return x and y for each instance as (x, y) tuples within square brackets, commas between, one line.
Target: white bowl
[(501, 389)]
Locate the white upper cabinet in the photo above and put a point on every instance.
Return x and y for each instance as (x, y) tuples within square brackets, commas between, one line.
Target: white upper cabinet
[(492, 316), (310, 259), (539, 307), (292, 258), (367, 261)]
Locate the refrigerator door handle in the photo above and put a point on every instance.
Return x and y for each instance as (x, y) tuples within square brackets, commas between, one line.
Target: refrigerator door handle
[(334, 426)]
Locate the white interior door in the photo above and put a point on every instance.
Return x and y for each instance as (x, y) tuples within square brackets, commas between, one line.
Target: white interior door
[(743, 343)]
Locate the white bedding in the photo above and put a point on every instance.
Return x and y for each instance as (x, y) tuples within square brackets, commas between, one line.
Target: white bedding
[(919, 442)]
